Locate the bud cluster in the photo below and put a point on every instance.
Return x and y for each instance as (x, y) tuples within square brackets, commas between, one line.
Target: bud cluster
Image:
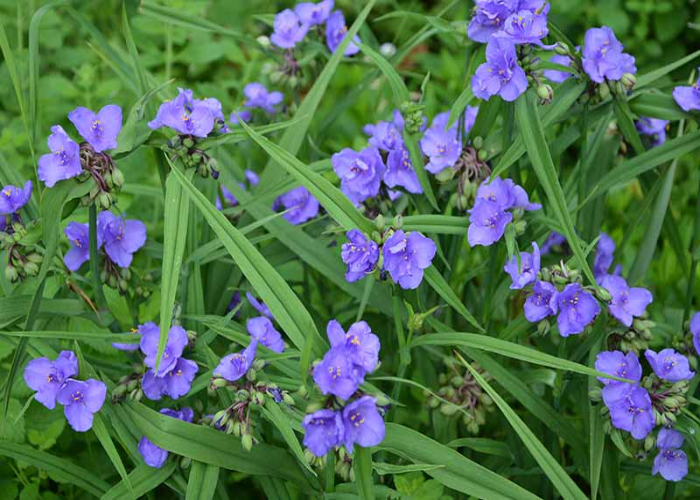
[(108, 178), (22, 258), (531, 65), (634, 339), (129, 386), (413, 116), (184, 148), (461, 395)]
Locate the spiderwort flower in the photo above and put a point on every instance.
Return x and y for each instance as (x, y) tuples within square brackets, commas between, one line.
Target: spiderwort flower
[(557, 76), (653, 127), (174, 384), (313, 14), (688, 98), (620, 365), (441, 120), (64, 160), (400, 172), (526, 27), (336, 374), (489, 17), (441, 147), (506, 193), (669, 365), (406, 256), (626, 302), (288, 29), (526, 273), (228, 197), (553, 240), (301, 204), (603, 56), (257, 96), (695, 331), (81, 400), (128, 347), (78, 235), (264, 332), (360, 344), (360, 173), (150, 335), (258, 305), (46, 377), (577, 309), (324, 431), (363, 424), (633, 412), (121, 238), (234, 366), (155, 456), (335, 34), (671, 461), (99, 130), (360, 255), (542, 302), (488, 222), (500, 74), (604, 255), (385, 136), (12, 198), (186, 115)]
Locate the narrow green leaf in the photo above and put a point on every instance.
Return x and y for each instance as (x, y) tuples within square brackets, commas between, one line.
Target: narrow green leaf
[(384, 469), (275, 415), (657, 105), (596, 433), (236, 136), (536, 146), (463, 100), (201, 484), (143, 478), (176, 211), (398, 86), (100, 429), (483, 445), (626, 123), (443, 289), (94, 258), (362, 464), (561, 480), (652, 76), (128, 338), (411, 143)]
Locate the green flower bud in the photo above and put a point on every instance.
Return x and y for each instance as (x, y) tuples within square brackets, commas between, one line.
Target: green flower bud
[(313, 407), (242, 395), (288, 399), (562, 49), (251, 375), (445, 175), (259, 399), (188, 142), (247, 441), (221, 417), (237, 429), (520, 226), (185, 462), (543, 327), (259, 364), (104, 200), (457, 381), (603, 295), (482, 155), (11, 274), (219, 382), (31, 269), (478, 142), (545, 93), (629, 81), (397, 222), (119, 391), (379, 222)]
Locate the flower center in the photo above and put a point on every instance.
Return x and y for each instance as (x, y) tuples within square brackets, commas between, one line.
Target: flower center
[(97, 127), (77, 397), (357, 419)]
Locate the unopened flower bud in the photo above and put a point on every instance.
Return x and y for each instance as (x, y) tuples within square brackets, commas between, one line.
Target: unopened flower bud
[(104, 200), (251, 375), (31, 269), (445, 175), (398, 222), (629, 81), (242, 395), (543, 327), (264, 41), (11, 274), (545, 93), (288, 399), (603, 295), (482, 155), (562, 49), (188, 142), (603, 91), (259, 364), (259, 399), (519, 226), (448, 409), (387, 49), (247, 441), (219, 382)]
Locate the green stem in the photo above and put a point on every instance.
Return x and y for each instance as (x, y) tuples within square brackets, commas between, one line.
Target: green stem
[(94, 263)]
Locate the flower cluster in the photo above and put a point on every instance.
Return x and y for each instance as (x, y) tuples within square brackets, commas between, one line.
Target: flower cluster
[(356, 421), (603, 57), (498, 202), (646, 402), (54, 382), (403, 255)]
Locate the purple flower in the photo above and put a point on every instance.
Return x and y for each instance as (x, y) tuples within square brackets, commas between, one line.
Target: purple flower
[(64, 160), (234, 303), (335, 34), (262, 330), (363, 424), (79, 253), (556, 75), (324, 431), (488, 222), (620, 365), (251, 177), (577, 309), (313, 14), (626, 302), (400, 172), (336, 374), (506, 193), (360, 254), (500, 74), (186, 115), (257, 96), (259, 305), (177, 340), (217, 112), (695, 331), (13, 198), (526, 27), (360, 173), (121, 238), (178, 381), (553, 240), (234, 366), (542, 302), (406, 256), (301, 204), (385, 136), (688, 98), (242, 115), (653, 127), (669, 365), (127, 347), (441, 119), (99, 130), (288, 29), (633, 413), (360, 344), (228, 197), (81, 400), (154, 456), (442, 148), (526, 273), (46, 377), (671, 462), (489, 17), (604, 255), (603, 57)]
